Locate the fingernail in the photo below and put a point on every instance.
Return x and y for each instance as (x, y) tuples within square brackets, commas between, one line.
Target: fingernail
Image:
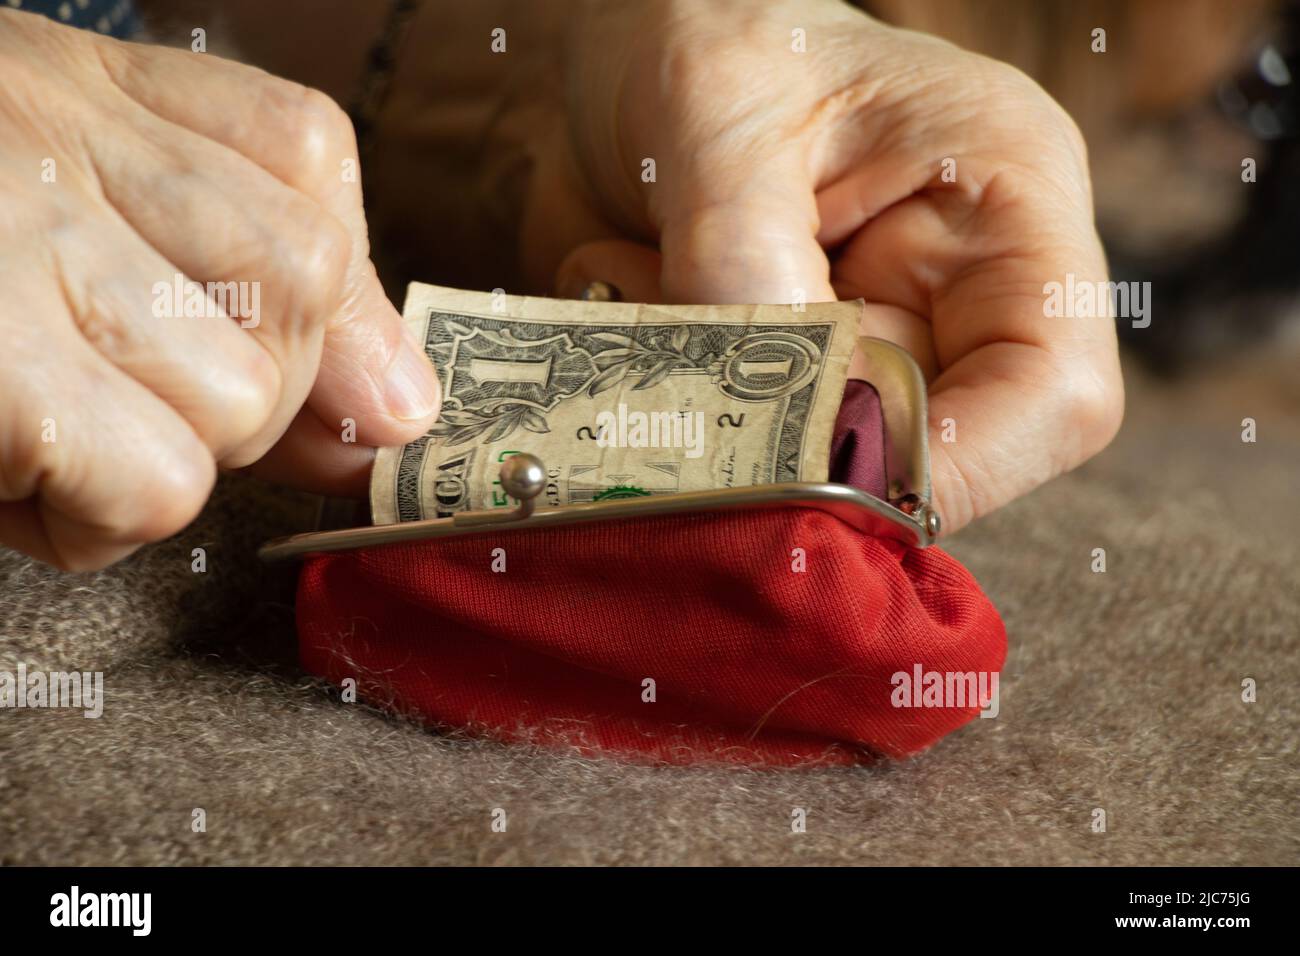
[(599, 291), (578, 286), (412, 385), (571, 285)]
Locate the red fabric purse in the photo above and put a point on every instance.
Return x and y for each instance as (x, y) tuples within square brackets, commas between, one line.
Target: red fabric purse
[(777, 636), (751, 662)]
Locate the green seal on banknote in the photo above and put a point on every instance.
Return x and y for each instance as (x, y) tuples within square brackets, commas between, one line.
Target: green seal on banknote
[(620, 491)]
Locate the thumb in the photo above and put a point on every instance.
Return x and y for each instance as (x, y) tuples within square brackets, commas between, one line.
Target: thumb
[(374, 372), (745, 234)]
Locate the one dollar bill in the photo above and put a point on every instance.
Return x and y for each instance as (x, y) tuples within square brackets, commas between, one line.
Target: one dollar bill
[(617, 400)]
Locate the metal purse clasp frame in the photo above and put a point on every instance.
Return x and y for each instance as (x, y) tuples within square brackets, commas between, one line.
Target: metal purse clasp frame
[(908, 515)]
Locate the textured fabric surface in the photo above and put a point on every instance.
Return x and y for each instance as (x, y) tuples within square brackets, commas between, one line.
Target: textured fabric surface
[(770, 638), (1121, 691)]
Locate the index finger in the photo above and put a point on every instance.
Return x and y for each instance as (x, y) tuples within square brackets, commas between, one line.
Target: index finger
[(369, 371)]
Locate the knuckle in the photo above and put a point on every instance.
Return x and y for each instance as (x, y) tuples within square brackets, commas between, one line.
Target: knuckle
[(1095, 406), (1009, 79), (315, 258), (249, 399), (1050, 117), (167, 498), (1107, 417), (318, 134), (1058, 122), (324, 254), (179, 493)]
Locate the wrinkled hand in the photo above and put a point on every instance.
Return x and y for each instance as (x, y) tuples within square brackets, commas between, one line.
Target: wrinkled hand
[(123, 167), (780, 174)]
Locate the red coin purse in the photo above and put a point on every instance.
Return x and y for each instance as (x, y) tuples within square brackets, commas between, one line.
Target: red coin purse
[(800, 624)]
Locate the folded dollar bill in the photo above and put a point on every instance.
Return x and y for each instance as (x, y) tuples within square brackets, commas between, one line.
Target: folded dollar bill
[(618, 400)]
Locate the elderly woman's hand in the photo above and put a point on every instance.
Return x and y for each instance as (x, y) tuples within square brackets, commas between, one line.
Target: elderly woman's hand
[(128, 175), (757, 151)]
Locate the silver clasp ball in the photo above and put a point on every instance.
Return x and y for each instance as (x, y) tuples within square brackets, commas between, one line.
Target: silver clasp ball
[(523, 477)]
